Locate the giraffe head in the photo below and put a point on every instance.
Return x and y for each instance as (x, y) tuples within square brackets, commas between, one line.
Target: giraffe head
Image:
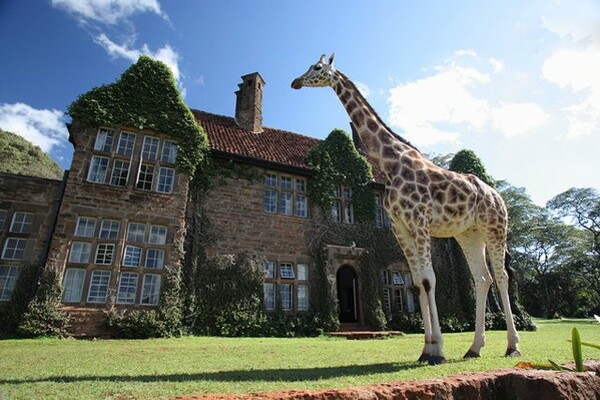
[(318, 75)]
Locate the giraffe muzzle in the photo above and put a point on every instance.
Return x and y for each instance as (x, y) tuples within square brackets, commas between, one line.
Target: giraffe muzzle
[(297, 83)]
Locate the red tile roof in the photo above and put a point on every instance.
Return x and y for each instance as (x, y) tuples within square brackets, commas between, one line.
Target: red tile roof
[(274, 146)]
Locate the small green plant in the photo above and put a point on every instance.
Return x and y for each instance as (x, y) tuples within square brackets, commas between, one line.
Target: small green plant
[(576, 344)]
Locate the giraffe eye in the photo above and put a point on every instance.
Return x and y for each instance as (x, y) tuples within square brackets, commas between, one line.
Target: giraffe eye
[(317, 67)]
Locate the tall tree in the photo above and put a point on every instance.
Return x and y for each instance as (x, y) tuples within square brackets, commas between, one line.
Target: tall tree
[(467, 162)]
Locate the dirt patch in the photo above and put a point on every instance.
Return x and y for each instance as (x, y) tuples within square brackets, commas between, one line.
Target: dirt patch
[(502, 384)]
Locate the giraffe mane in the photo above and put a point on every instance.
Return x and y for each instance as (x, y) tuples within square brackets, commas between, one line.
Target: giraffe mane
[(373, 112)]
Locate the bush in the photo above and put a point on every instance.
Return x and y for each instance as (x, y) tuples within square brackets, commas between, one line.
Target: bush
[(407, 323), (137, 324)]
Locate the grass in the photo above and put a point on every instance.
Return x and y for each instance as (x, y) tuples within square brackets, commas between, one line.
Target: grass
[(160, 368)]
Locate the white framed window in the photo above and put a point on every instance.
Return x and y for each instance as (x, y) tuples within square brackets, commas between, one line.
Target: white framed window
[(14, 249), (271, 179), (342, 210), (154, 258), (9, 275), (387, 301), (285, 203), (98, 168), (109, 229), (86, 227), (126, 144), (120, 173), (150, 148), (301, 206), (166, 177), (336, 211), (2, 218), (98, 287), (269, 269), (302, 270), (285, 296), (145, 177), (285, 182), (348, 213), (169, 152), (135, 232), (270, 201), (127, 288), (158, 234), (397, 278), (22, 222), (398, 301), (104, 140), (302, 297), (269, 290), (286, 271), (73, 285), (132, 256), (150, 289), (300, 185), (384, 277), (80, 252), (105, 253)]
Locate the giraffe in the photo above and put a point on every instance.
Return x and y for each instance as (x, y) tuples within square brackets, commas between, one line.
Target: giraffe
[(424, 201)]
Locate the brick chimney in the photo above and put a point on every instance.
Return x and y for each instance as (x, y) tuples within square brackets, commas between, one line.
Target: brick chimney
[(248, 104)]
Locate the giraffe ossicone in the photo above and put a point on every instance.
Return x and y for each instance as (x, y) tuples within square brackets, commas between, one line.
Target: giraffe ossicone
[(424, 201)]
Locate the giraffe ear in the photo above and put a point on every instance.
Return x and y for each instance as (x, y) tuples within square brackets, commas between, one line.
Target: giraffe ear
[(331, 57), (322, 59)]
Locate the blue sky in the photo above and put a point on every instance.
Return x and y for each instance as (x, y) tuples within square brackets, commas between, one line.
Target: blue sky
[(514, 81)]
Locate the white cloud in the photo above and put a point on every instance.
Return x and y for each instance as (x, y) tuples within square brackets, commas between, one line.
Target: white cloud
[(165, 54), (108, 11), (363, 88), (435, 109), (44, 128), (496, 64)]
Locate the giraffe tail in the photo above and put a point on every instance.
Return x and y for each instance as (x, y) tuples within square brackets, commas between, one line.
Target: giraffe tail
[(509, 270)]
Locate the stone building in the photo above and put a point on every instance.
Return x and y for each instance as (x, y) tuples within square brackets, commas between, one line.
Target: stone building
[(116, 222)]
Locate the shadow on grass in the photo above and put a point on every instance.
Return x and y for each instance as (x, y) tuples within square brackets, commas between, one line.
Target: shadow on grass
[(283, 375)]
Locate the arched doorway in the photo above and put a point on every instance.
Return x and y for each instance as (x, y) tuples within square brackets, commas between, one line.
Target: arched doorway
[(347, 291)]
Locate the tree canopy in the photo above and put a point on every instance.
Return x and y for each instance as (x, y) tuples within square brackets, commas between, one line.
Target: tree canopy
[(23, 158), (467, 162)]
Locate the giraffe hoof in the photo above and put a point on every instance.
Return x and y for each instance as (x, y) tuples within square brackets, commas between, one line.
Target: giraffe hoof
[(424, 358), (512, 353), (435, 360), (471, 354)]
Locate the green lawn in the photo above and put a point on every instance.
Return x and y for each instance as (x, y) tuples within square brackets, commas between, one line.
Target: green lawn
[(160, 368)]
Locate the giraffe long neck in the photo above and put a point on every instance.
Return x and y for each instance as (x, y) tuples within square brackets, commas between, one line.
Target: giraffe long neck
[(372, 131)]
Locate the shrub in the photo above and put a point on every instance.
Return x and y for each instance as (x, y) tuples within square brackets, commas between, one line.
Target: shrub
[(137, 324)]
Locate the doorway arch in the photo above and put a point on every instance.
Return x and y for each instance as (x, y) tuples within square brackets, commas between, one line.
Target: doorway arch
[(347, 293)]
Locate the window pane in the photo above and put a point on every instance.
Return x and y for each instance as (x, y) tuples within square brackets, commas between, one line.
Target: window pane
[(302, 272), (104, 140), (150, 289), (269, 289), (397, 278), (285, 182), (269, 270), (126, 144), (155, 258), (104, 253), (14, 249), (158, 235), (150, 148), (169, 152), (348, 213), (270, 203), (301, 209), (110, 229), (285, 296), (98, 168), (165, 180), (127, 288), (387, 303), (398, 300), (8, 280), (286, 271), (80, 252), (302, 297), (384, 277), (73, 285), (300, 185), (85, 227), (135, 232), (120, 173), (98, 287), (22, 222), (285, 203), (132, 256), (145, 177), (271, 180), (336, 211)]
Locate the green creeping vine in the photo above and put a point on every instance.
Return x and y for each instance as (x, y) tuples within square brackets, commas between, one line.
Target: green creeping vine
[(146, 97)]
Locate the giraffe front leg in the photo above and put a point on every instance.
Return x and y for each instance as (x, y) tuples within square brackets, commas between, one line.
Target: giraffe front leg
[(436, 344)]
